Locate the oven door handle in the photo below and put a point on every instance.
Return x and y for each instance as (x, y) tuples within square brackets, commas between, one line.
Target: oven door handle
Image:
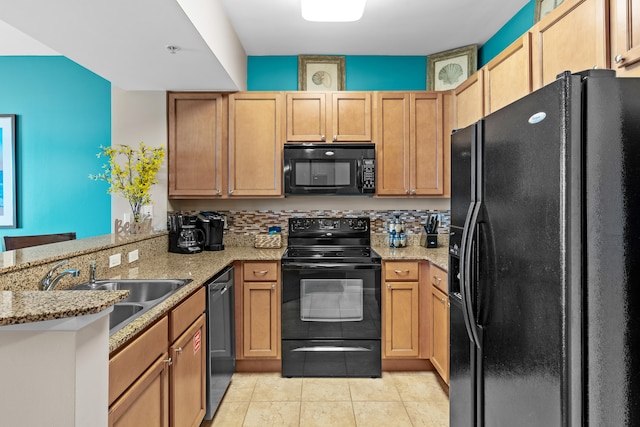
[(331, 348), (332, 266)]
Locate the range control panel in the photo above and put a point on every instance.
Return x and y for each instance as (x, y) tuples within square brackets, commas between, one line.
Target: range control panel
[(337, 226)]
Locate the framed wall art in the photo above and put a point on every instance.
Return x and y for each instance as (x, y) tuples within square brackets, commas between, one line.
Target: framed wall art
[(446, 70), (7, 171), (321, 73), (544, 7)]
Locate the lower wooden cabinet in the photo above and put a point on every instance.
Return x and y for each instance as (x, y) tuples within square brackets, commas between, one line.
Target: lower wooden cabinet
[(439, 323), (188, 376), (152, 383), (139, 380), (401, 309), (260, 310), (146, 402)]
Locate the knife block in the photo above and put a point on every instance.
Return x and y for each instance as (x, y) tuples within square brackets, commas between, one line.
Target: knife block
[(428, 240)]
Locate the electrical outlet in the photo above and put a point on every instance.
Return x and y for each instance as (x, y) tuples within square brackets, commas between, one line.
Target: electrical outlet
[(133, 255), (115, 260)]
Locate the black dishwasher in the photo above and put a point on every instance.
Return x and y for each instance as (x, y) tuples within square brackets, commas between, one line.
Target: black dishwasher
[(221, 342)]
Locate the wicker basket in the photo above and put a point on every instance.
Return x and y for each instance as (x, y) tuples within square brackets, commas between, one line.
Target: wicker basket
[(268, 241)]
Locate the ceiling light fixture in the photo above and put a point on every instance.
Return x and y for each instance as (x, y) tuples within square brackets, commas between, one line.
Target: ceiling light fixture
[(332, 10)]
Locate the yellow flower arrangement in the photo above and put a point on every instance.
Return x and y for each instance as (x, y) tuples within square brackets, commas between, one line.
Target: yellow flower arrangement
[(133, 179)]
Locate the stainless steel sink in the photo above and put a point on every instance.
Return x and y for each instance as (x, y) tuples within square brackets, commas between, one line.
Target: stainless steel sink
[(140, 290), (121, 312), (143, 295)]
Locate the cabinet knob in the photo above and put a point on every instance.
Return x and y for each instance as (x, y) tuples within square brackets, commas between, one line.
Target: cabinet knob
[(619, 58), (230, 191), (168, 361), (218, 192), (388, 286), (407, 191), (323, 138), (273, 287), (413, 191), (179, 350), (335, 138)]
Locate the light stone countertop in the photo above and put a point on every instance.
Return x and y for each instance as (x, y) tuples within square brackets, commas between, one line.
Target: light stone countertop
[(27, 306), (36, 306)]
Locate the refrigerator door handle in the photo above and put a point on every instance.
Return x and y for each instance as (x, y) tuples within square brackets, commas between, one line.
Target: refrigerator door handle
[(464, 249), (466, 285)]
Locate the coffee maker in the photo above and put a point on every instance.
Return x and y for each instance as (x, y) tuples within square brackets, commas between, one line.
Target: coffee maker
[(212, 225), (184, 236)]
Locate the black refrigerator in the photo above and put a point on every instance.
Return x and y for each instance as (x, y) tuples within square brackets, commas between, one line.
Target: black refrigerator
[(544, 273)]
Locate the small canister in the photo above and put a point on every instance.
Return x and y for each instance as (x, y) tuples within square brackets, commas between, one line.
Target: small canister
[(402, 240)]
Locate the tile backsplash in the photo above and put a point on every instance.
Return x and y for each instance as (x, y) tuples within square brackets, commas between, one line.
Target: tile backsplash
[(242, 223)]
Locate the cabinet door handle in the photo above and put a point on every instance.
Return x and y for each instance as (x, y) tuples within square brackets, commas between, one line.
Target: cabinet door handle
[(323, 138), (168, 361), (179, 350), (273, 287), (401, 271), (260, 272), (619, 59), (439, 279)]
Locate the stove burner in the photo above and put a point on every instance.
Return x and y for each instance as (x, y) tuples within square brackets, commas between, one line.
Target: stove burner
[(337, 240)]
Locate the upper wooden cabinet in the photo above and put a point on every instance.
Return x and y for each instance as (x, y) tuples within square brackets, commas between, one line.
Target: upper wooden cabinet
[(197, 144), (573, 37), (328, 116), (255, 144), (507, 77), (469, 100), (409, 144), (625, 37)]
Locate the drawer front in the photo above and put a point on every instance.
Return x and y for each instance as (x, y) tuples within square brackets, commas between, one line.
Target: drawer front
[(399, 271), (438, 278), (186, 313), (136, 357), (260, 271)]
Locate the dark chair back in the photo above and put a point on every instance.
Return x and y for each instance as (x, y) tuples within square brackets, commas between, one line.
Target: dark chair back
[(19, 242)]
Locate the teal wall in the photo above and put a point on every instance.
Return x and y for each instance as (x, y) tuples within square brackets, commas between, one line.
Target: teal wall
[(517, 26), (362, 73), (275, 73), (63, 116)]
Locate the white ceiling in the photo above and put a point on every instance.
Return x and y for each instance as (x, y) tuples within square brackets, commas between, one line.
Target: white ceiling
[(124, 41)]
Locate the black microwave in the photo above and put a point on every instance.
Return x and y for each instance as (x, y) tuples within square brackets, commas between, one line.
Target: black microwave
[(329, 169)]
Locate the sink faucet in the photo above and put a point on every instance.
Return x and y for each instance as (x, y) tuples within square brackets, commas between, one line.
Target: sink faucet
[(48, 282), (92, 272)]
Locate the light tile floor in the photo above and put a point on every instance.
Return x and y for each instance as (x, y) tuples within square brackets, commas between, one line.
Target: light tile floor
[(397, 399)]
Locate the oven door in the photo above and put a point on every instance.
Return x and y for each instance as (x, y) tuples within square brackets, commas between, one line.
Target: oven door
[(330, 301), (331, 320)]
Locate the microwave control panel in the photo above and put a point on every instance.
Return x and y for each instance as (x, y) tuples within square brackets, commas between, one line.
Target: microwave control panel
[(368, 175)]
